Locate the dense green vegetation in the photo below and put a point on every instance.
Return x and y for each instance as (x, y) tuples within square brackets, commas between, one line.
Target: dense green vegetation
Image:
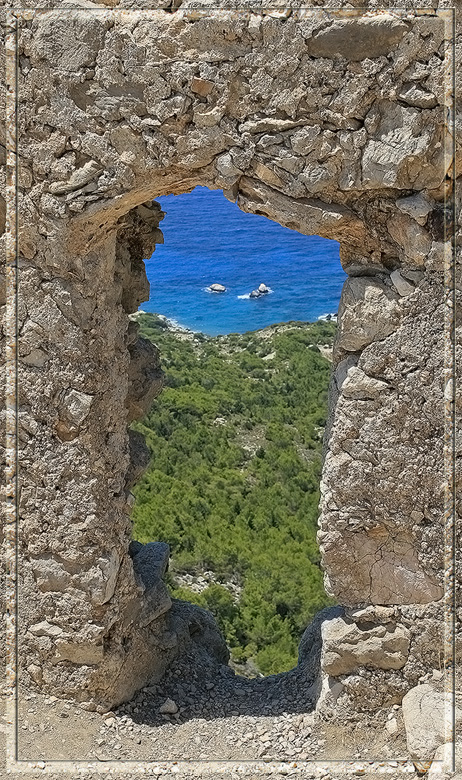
[(233, 484)]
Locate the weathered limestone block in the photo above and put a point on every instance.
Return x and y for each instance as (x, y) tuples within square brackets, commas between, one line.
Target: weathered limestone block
[(354, 643), (414, 239), (386, 569), (443, 760), (402, 286), (416, 206), (347, 646), (359, 386), (356, 39), (383, 551), (309, 649), (424, 711), (403, 150), (74, 41), (368, 312)]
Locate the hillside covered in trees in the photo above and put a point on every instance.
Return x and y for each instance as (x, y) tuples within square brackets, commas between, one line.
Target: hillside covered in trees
[(233, 484)]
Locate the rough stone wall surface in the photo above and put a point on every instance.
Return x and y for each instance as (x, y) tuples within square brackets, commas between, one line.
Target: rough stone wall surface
[(330, 123)]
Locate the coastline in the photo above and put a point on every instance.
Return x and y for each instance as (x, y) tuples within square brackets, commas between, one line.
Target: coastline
[(183, 330)]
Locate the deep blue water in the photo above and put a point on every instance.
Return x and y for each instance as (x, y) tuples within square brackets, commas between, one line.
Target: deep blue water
[(210, 240)]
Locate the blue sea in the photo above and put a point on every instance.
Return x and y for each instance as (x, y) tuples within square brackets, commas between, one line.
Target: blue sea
[(209, 240)]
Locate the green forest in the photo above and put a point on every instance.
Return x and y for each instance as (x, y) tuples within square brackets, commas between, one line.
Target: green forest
[(233, 485)]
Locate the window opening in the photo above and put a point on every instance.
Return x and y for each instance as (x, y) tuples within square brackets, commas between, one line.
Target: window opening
[(236, 435)]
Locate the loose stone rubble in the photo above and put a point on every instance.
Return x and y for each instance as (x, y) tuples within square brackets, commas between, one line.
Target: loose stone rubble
[(331, 123)]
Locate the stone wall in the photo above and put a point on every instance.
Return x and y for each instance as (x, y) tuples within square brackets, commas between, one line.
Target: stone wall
[(329, 122)]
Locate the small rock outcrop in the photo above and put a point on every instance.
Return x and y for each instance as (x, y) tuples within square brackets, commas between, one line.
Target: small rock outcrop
[(262, 289), (202, 627), (150, 562), (146, 378), (139, 457), (217, 288)]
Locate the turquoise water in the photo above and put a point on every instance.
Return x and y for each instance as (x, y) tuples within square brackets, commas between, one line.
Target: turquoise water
[(209, 240)]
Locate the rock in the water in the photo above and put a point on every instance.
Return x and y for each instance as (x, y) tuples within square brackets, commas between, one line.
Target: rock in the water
[(218, 288), (168, 707), (262, 290)]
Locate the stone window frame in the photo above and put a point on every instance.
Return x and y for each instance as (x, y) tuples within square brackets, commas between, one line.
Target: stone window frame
[(12, 555)]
